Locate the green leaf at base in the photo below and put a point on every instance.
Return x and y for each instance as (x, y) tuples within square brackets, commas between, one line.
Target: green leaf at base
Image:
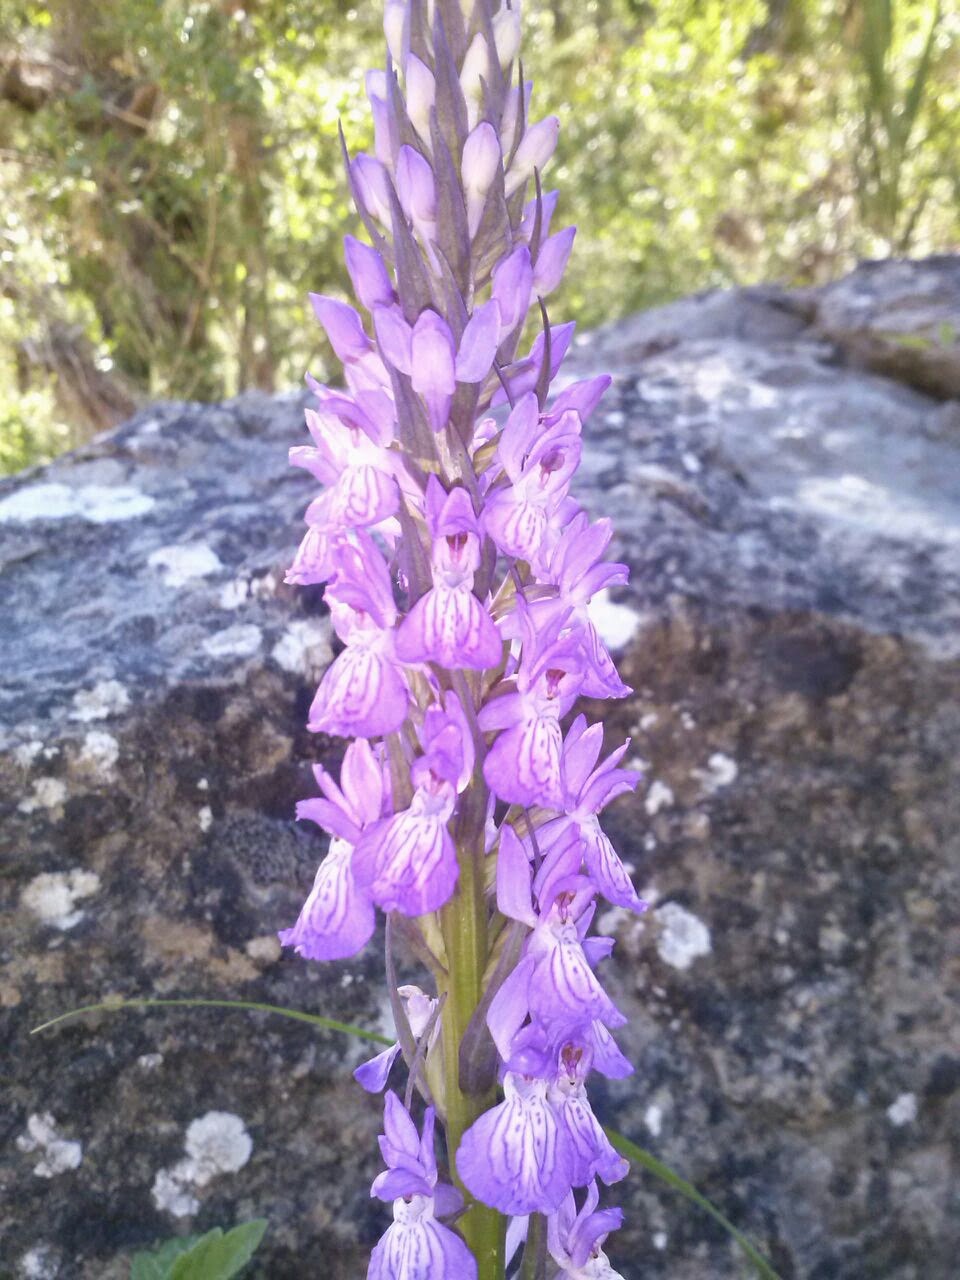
[(214, 1256), (686, 1189), (157, 1264)]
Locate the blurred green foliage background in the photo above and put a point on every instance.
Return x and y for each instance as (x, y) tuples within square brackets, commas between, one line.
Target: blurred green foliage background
[(171, 182)]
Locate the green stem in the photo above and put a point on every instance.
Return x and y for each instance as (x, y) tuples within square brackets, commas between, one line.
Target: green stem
[(534, 1264), (464, 924)]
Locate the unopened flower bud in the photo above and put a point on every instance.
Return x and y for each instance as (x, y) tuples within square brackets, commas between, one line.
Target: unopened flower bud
[(552, 261), (475, 69), (535, 149), (373, 187), (421, 95), (394, 28), (481, 159), (368, 274), (417, 191), (376, 85), (506, 33)]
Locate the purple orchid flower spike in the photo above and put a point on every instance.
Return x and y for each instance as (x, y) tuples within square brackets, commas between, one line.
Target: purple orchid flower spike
[(460, 574), (449, 625), (416, 1246), (575, 1240)]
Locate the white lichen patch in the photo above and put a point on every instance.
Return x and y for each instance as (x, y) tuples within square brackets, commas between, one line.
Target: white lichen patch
[(659, 1239), (184, 562), (240, 641), (903, 1110), (53, 895), (173, 1195), (40, 1263), (721, 771), (106, 698), (616, 623), (26, 752), (653, 1119), (98, 503), (683, 937), (58, 1155), (658, 797), (304, 648), (100, 751), (216, 1143), (205, 818), (47, 793), (150, 1061)]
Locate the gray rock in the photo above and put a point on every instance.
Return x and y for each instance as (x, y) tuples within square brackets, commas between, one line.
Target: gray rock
[(793, 530), (900, 318)]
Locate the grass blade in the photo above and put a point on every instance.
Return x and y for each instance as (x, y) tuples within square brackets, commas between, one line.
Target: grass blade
[(137, 1002), (690, 1192)]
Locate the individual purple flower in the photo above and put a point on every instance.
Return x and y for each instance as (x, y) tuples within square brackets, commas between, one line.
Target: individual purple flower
[(358, 472), (575, 1240), (337, 918), (539, 464), (416, 1245), (576, 566), (409, 863), (364, 691), (523, 764), (448, 624), (591, 1154), (587, 789), (554, 979), (512, 1158)]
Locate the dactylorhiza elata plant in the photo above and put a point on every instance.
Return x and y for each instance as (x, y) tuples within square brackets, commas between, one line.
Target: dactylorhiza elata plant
[(458, 571)]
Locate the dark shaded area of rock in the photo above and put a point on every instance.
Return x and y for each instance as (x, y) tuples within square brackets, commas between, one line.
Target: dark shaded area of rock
[(793, 529)]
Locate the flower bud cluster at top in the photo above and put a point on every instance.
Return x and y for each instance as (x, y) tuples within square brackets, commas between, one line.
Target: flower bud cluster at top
[(458, 572)]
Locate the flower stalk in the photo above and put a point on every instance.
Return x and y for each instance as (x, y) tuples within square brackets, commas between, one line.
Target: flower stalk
[(459, 571)]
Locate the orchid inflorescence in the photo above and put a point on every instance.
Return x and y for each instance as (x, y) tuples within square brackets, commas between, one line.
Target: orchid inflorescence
[(458, 573)]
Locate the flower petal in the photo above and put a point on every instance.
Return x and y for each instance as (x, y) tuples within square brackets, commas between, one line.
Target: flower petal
[(362, 695), (511, 1158), (337, 919)]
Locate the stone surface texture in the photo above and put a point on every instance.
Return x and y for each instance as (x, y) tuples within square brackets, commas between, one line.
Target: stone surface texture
[(785, 480)]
